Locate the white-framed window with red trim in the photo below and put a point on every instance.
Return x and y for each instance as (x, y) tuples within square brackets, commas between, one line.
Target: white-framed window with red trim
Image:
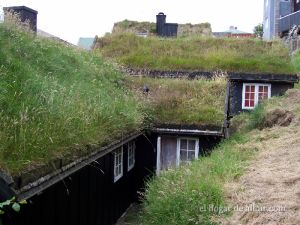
[(254, 93)]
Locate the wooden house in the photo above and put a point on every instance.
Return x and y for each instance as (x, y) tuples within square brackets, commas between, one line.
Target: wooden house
[(94, 189)]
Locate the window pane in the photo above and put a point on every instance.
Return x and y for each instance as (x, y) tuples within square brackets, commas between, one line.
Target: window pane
[(252, 96), (266, 89), (191, 144), (183, 155), (247, 96), (183, 144), (251, 103), (247, 103), (252, 88), (247, 88), (191, 155)]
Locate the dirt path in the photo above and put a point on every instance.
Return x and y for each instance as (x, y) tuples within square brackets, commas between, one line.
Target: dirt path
[(270, 189)]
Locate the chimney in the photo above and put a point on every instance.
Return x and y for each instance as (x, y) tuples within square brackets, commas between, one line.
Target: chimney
[(160, 22), (25, 14), (232, 28)]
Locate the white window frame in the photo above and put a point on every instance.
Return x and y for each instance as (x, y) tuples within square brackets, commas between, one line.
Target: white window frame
[(178, 161), (118, 153), (255, 93), (130, 154)]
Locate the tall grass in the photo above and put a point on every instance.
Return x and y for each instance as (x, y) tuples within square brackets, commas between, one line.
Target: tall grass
[(196, 53), (194, 194), (56, 99), (182, 101)]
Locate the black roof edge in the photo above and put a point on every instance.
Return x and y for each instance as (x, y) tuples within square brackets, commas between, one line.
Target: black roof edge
[(20, 8), (48, 180), (291, 78)]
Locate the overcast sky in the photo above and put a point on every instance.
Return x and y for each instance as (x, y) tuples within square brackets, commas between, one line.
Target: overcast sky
[(71, 19)]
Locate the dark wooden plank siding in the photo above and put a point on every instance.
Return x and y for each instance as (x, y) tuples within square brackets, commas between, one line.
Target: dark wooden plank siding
[(90, 196)]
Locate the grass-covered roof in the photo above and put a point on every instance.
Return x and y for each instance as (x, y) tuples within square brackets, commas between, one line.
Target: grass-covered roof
[(196, 53), (182, 101), (55, 99)]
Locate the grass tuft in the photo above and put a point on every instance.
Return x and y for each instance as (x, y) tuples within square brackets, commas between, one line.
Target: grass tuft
[(182, 101)]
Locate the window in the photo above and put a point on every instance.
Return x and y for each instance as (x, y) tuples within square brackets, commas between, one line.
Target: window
[(131, 155), (118, 164), (255, 93), (187, 149)]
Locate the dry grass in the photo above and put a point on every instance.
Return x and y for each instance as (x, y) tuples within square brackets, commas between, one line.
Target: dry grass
[(272, 180), (182, 101)]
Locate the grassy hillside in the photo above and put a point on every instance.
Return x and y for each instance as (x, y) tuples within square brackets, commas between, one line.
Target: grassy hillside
[(56, 99), (196, 193), (203, 54), (181, 101)]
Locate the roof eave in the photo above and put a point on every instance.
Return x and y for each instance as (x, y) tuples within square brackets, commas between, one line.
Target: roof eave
[(48, 180)]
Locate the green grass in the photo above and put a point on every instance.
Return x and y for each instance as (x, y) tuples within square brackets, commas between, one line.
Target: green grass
[(196, 53), (193, 194), (55, 99), (134, 26), (186, 195), (182, 101)]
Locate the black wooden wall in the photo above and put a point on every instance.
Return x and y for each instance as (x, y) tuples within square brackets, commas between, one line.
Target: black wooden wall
[(236, 93), (90, 196), (25, 14)]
